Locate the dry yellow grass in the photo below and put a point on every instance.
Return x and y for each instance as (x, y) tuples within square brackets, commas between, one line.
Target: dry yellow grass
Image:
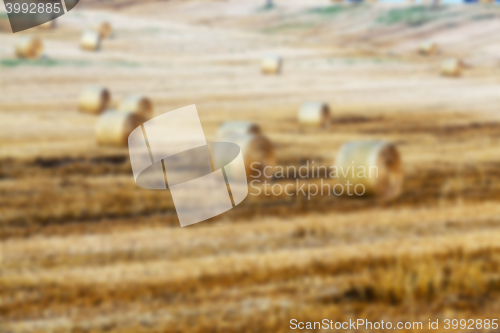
[(83, 248)]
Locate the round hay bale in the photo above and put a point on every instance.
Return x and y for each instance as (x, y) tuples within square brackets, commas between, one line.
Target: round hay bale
[(271, 65), (258, 153), (374, 166), (94, 99), (452, 67), (138, 105), (104, 29), (113, 128), (428, 48), (91, 41), (29, 47), (238, 128), (315, 114)]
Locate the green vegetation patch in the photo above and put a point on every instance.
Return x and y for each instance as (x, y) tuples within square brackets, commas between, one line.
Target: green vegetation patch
[(289, 27), (485, 16), (123, 63), (48, 62), (330, 10), (412, 16), (266, 7), (309, 18), (28, 62)]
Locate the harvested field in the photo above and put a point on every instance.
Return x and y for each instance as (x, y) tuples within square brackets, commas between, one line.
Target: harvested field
[(84, 249)]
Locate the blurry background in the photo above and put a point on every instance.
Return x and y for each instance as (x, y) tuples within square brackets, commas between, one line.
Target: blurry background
[(84, 249)]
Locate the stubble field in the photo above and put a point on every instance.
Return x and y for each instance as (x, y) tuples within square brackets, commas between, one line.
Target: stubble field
[(83, 249)]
